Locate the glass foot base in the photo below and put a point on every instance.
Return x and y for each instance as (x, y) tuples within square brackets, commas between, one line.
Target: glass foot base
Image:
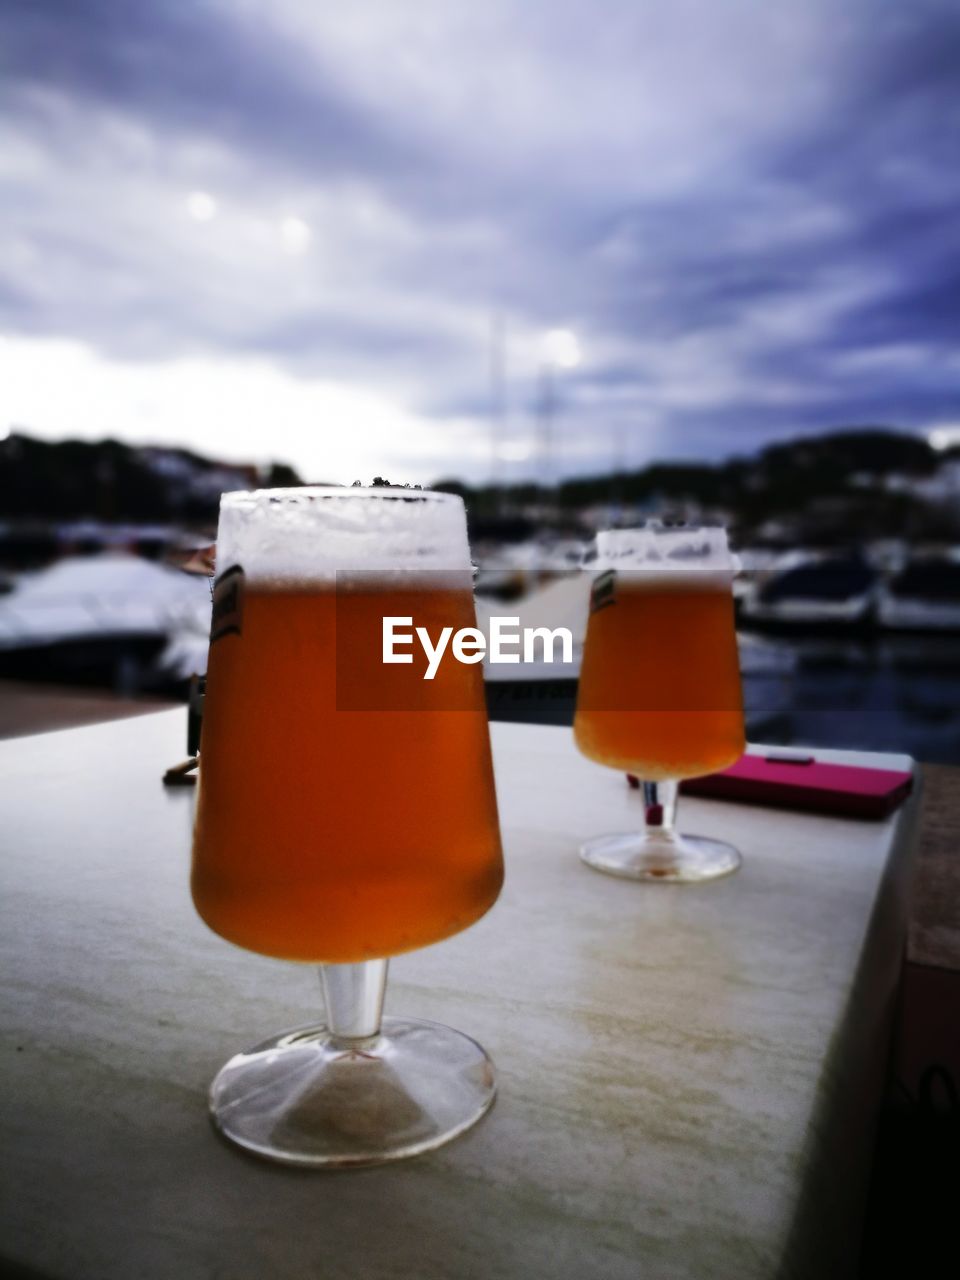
[(307, 1098), (674, 860)]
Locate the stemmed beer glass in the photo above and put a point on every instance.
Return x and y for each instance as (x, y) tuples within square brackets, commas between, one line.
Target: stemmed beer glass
[(659, 694), (346, 812)]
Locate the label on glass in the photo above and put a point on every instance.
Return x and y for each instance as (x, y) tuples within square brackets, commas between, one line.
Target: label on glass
[(603, 591), (227, 604)]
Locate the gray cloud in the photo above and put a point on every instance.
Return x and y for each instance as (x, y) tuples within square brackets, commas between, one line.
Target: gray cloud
[(187, 66), (746, 211)]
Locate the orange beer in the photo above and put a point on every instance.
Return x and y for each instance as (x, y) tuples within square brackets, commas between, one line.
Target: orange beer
[(659, 692), (330, 834)]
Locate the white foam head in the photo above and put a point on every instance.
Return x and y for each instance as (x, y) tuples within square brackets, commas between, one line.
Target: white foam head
[(311, 534), (666, 551)]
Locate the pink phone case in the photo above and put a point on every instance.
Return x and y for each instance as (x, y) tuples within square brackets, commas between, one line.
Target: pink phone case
[(800, 782)]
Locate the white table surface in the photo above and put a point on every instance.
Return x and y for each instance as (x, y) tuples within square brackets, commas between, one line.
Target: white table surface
[(687, 1074)]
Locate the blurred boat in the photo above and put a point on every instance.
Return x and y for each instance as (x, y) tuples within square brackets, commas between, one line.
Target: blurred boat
[(511, 571), (829, 594), (103, 619), (563, 601), (924, 596)]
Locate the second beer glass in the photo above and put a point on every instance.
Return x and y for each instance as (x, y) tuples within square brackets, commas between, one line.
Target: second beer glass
[(659, 694)]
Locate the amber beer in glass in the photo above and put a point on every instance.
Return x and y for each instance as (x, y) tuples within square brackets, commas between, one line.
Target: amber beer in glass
[(346, 811), (339, 836), (659, 694)]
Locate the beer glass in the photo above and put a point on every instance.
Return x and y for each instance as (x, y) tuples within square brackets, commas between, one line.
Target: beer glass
[(659, 694), (342, 836)]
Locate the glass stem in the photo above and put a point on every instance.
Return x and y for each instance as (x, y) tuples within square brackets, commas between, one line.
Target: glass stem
[(660, 808), (354, 997)]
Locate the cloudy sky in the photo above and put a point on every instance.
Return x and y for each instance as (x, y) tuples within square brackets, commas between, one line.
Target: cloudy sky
[(313, 230)]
